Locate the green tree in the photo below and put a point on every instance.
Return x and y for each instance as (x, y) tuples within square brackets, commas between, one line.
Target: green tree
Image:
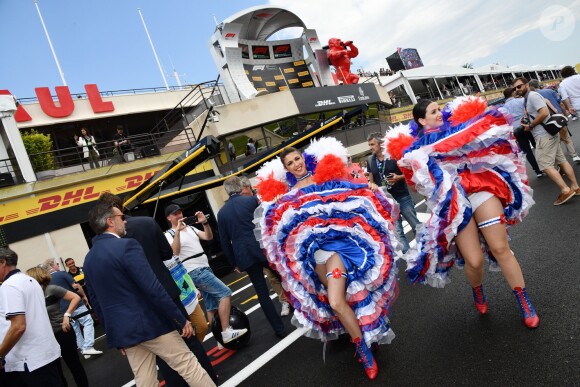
[(467, 65), (36, 145)]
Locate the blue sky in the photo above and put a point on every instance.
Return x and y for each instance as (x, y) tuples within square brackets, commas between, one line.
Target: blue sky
[(104, 42)]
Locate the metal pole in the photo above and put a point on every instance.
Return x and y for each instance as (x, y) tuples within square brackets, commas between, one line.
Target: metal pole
[(50, 44), (153, 48)]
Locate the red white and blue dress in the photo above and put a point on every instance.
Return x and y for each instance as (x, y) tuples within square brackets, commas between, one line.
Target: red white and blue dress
[(473, 152), (337, 215)]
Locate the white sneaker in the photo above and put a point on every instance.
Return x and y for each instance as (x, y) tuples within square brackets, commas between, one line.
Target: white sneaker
[(576, 159), (574, 118), (91, 351), (220, 347), (231, 334), (285, 309)]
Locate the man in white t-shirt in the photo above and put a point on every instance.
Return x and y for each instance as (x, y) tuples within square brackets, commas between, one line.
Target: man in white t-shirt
[(29, 353), (570, 90), (185, 242)]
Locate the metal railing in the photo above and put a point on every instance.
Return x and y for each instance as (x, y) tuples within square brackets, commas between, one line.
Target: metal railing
[(349, 134), (70, 160), (187, 110)]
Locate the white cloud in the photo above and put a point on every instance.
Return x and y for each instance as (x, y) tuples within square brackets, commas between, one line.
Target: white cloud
[(450, 32)]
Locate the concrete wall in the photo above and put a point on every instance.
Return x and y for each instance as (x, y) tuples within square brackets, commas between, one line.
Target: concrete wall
[(68, 242)]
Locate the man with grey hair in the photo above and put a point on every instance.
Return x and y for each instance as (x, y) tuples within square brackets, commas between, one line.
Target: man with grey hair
[(137, 313), (29, 353), (272, 276), (81, 317), (236, 228)]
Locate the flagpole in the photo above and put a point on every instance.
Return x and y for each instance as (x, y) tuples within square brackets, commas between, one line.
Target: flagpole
[(50, 44), (153, 48)]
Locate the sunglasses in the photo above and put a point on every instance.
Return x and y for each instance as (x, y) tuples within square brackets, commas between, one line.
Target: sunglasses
[(519, 86)]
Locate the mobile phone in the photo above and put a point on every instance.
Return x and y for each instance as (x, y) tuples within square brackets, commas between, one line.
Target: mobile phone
[(193, 219)]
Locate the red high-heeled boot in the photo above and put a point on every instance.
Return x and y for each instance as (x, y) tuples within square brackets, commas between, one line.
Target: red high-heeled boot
[(479, 299), (368, 361), (531, 318)]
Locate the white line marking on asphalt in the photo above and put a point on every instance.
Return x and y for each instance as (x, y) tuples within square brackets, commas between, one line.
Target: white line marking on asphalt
[(209, 335), (264, 358)]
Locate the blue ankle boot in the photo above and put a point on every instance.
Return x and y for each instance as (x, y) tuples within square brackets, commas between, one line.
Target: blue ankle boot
[(368, 361)]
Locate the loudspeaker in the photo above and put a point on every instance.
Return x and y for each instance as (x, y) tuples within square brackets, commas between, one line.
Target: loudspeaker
[(6, 180), (150, 150)]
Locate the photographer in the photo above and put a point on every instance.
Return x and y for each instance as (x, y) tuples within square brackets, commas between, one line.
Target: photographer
[(385, 172), (515, 107)]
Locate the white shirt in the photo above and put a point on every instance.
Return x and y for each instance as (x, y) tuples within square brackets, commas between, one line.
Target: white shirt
[(570, 88), (21, 294), (190, 246)]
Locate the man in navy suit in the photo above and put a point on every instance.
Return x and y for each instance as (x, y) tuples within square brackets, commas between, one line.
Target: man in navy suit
[(236, 228), (148, 233), (137, 314)]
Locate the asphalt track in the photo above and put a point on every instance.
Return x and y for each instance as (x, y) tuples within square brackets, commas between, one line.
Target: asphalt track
[(441, 340)]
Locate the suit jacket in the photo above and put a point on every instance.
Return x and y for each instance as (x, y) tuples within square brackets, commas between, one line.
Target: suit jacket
[(128, 298), (148, 233), (236, 228)]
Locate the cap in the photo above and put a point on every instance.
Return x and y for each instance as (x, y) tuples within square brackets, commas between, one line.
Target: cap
[(171, 209)]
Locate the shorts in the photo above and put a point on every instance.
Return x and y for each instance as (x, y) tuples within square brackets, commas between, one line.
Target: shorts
[(212, 289), (321, 256), (548, 152), (478, 198)]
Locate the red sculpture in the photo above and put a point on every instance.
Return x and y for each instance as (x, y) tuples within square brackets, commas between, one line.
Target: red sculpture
[(339, 54)]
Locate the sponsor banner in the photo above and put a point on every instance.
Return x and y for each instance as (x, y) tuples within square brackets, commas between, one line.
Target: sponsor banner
[(245, 51), (334, 97), (70, 196), (279, 76), (261, 52), (282, 51)]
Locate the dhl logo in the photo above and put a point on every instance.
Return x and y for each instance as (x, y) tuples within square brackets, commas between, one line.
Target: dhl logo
[(63, 198)]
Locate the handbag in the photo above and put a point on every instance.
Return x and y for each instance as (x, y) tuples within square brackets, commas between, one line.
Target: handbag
[(555, 123)]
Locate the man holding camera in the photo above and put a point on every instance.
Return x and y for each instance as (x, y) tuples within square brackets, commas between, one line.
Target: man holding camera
[(548, 151), (185, 242), (515, 107), (383, 170)]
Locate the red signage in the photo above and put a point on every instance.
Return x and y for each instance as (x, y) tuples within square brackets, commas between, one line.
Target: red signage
[(230, 35), (66, 105)]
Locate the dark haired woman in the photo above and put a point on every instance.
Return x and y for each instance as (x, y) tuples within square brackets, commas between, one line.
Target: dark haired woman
[(332, 241), (466, 162), (60, 322)]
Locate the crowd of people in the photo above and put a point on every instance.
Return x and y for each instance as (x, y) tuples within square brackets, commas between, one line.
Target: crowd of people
[(382, 72), (325, 231)]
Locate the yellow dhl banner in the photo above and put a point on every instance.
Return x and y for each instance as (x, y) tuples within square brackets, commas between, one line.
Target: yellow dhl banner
[(69, 196)]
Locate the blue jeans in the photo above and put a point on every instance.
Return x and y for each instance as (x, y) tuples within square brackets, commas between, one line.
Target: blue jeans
[(407, 206), (212, 289), (86, 337)]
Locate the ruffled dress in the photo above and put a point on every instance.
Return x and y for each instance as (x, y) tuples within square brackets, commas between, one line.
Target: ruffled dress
[(480, 155), (336, 216)]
